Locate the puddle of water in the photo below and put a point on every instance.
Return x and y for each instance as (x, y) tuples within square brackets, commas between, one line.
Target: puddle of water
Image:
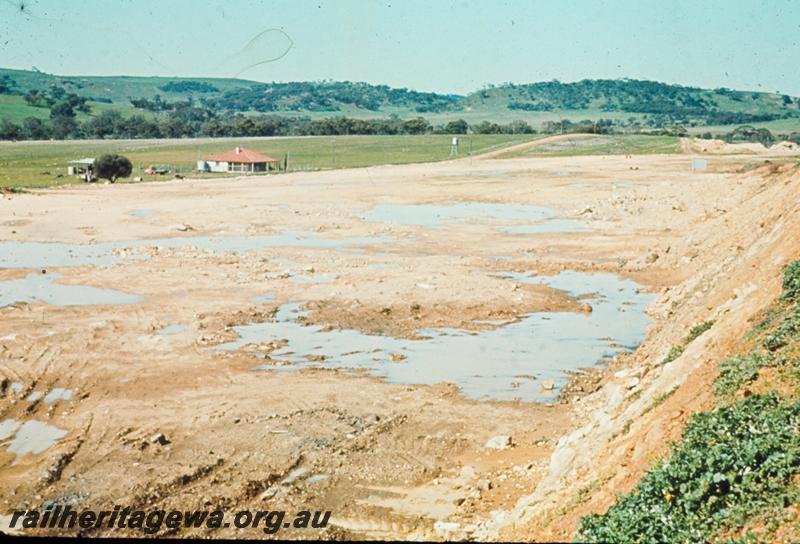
[(547, 227), (16, 387), (317, 478), (624, 185), (580, 185), (32, 437), (433, 215), (266, 297), (33, 397), (8, 427), (48, 254), (51, 254), (141, 213), (57, 394), (484, 364), (44, 288), (173, 329)]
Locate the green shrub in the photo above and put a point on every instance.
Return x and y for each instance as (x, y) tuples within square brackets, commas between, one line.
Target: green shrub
[(791, 281), (788, 330), (697, 330), (737, 372), (732, 464), (673, 354)]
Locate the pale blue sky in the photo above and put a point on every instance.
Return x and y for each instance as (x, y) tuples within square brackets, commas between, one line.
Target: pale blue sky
[(437, 45)]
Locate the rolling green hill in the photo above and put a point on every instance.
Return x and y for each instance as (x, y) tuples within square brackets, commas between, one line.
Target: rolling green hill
[(628, 95), (627, 103), (120, 89)]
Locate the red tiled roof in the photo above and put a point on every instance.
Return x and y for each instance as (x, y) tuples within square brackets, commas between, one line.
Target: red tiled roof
[(241, 154)]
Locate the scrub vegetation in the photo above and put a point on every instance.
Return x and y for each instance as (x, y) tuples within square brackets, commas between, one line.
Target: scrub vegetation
[(733, 475)]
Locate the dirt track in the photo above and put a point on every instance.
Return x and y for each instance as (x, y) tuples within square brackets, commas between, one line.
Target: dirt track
[(391, 460)]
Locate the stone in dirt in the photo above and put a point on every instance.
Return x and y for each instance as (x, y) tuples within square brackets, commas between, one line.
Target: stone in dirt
[(446, 528), (159, 438), (501, 442)]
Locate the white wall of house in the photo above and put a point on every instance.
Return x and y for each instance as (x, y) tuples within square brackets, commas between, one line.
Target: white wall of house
[(212, 166)]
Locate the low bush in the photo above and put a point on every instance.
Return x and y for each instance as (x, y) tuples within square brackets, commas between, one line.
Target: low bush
[(737, 372), (732, 464), (791, 281)]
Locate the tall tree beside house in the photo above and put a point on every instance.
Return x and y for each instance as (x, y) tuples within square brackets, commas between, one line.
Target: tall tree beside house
[(112, 167), (456, 127)]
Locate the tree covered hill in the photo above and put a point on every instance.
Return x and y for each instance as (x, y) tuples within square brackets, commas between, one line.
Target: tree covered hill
[(636, 97), (30, 98), (596, 95), (330, 96)]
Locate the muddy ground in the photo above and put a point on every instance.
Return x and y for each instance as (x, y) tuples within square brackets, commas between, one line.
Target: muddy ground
[(161, 419)]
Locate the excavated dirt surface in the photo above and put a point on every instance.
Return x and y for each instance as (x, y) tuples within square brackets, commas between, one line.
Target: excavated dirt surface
[(156, 417)]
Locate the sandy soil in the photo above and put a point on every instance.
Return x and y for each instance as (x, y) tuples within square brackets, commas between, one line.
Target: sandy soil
[(393, 461)]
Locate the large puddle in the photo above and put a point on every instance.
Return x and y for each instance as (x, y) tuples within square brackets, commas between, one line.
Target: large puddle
[(52, 254), (29, 437), (509, 362), (44, 288)]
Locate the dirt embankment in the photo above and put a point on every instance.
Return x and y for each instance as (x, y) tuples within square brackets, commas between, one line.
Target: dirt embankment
[(643, 405)]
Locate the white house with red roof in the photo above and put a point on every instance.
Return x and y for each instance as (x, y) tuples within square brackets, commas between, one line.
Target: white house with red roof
[(239, 159)]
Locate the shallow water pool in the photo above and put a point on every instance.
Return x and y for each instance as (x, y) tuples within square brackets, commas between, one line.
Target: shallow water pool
[(493, 364)]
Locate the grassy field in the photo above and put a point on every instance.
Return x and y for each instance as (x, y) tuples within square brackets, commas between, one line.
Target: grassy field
[(603, 145), (44, 164)]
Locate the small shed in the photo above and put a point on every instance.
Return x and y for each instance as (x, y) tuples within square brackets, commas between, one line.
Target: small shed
[(239, 159), (83, 168)]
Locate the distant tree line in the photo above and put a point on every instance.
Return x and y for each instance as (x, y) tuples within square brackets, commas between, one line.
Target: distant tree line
[(188, 121), (751, 134)]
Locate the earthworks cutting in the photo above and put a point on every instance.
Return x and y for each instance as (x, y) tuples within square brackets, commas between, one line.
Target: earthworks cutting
[(442, 350)]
